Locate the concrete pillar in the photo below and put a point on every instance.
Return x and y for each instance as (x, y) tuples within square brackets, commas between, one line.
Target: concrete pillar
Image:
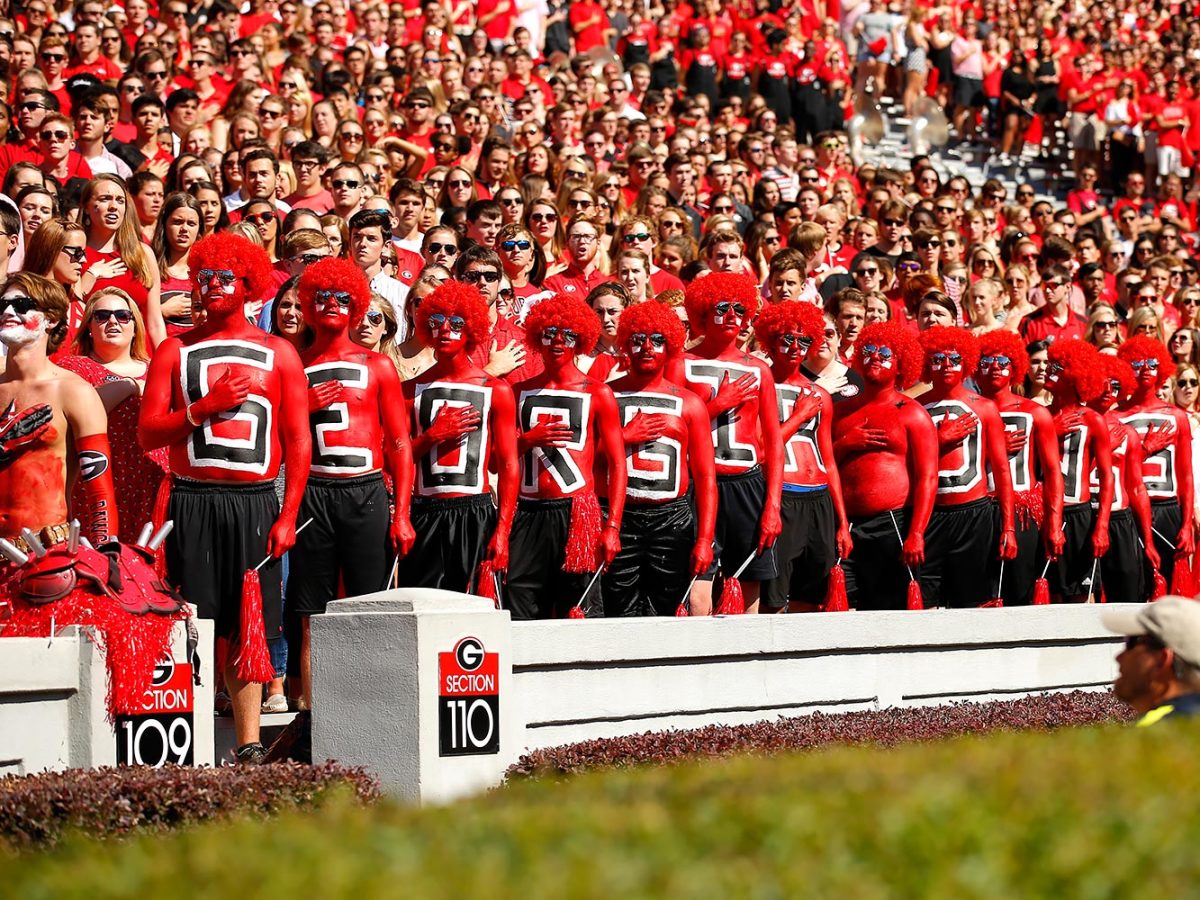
[(416, 686)]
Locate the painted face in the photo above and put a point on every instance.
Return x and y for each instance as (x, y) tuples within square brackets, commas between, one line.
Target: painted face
[(946, 367), (1145, 370), (995, 373), (878, 363), (449, 332), (647, 351), (221, 291), (331, 309), (792, 347), (558, 343), (21, 322), (1054, 380), (728, 316)]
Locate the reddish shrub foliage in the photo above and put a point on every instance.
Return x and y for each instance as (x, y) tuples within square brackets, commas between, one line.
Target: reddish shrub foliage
[(883, 728), (36, 810)]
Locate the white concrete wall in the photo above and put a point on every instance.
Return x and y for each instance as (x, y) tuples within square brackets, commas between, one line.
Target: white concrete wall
[(581, 680), (52, 712)]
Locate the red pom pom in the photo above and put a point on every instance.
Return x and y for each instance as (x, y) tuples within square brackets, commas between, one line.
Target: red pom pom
[(254, 659), (1041, 592), (914, 595), (732, 602), (994, 603), (681, 611), (485, 580), (1160, 586), (835, 596), (576, 613), (1183, 579), (584, 539)]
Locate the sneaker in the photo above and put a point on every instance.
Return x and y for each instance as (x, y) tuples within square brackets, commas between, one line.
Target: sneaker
[(250, 754), (276, 703)]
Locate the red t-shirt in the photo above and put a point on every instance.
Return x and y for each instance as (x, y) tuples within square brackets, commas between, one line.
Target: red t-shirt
[(592, 35)]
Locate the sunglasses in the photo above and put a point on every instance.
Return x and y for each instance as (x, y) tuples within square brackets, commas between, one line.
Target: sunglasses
[(74, 254), (947, 209), (940, 359), (350, 136), (261, 218), (345, 183), (444, 147), (19, 304), (893, 223), (457, 323), (866, 271), (122, 316), (310, 258), (443, 248), (1148, 364), (1111, 324), (1143, 640), (723, 308), (1187, 382), (879, 352), (374, 317), (656, 339), (55, 135), (635, 238), (31, 106), (999, 362), (787, 340), (325, 295), (549, 335), (491, 277), (225, 276), (930, 244), (509, 246), (60, 57), (544, 217), (458, 183), (511, 201)]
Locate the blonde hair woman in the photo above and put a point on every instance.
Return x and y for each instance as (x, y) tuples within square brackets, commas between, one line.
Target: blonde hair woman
[(116, 256)]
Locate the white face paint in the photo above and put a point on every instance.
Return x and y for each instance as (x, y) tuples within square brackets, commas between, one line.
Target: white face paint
[(226, 289), (20, 330)]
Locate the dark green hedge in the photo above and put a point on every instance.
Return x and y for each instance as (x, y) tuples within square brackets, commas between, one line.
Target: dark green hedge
[(1091, 812)]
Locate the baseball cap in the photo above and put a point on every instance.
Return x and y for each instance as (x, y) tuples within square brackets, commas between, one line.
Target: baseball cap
[(1173, 621)]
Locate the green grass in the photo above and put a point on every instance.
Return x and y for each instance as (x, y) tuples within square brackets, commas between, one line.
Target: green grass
[(1098, 812)]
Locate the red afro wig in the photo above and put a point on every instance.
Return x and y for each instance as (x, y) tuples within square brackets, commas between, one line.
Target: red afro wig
[(1118, 370), (1006, 343), (903, 344), (704, 293), (232, 251), (455, 298), (1142, 347), (650, 317), (1082, 367), (335, 274), (789, 316), (950, 338), (568, 312)]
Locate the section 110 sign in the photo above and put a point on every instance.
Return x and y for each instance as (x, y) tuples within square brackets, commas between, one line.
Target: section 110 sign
[(468, 700)]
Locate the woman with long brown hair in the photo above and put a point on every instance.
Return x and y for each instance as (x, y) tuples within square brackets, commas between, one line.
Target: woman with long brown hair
[(56, 251), (116, 256)]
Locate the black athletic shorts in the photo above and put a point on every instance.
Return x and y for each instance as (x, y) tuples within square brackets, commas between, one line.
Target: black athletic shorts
[(969, 92), (221, 531), (806, 549), (348, 537), (1122, 568), (958, 547), (536, 586), (1071, 574), (740, 501), (1167, 519), (876, 577), (1019, 575), (452, 540), (650, 575)]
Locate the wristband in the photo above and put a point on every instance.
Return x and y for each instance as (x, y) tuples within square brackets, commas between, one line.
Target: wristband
[(187, 412)]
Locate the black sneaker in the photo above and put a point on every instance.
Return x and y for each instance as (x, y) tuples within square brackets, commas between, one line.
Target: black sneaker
[(250, 754)]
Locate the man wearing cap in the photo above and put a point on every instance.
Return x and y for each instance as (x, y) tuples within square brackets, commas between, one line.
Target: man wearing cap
[(1159, 669)]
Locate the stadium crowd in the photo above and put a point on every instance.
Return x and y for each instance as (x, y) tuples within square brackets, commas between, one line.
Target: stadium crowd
[(600, 289)]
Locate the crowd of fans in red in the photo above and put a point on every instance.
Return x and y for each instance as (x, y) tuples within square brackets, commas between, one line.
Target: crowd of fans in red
[(616, 152)]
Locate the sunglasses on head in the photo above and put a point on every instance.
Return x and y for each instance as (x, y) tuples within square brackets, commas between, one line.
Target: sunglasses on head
[(122, 316)]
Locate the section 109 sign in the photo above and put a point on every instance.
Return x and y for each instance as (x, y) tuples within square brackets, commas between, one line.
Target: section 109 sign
[(468, 700), (162, 732)]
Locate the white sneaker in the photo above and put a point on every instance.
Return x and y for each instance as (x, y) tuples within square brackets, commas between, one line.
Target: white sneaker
[(276, 703)]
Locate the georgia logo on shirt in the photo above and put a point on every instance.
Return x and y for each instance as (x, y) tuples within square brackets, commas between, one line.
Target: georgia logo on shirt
[(569, 288)]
